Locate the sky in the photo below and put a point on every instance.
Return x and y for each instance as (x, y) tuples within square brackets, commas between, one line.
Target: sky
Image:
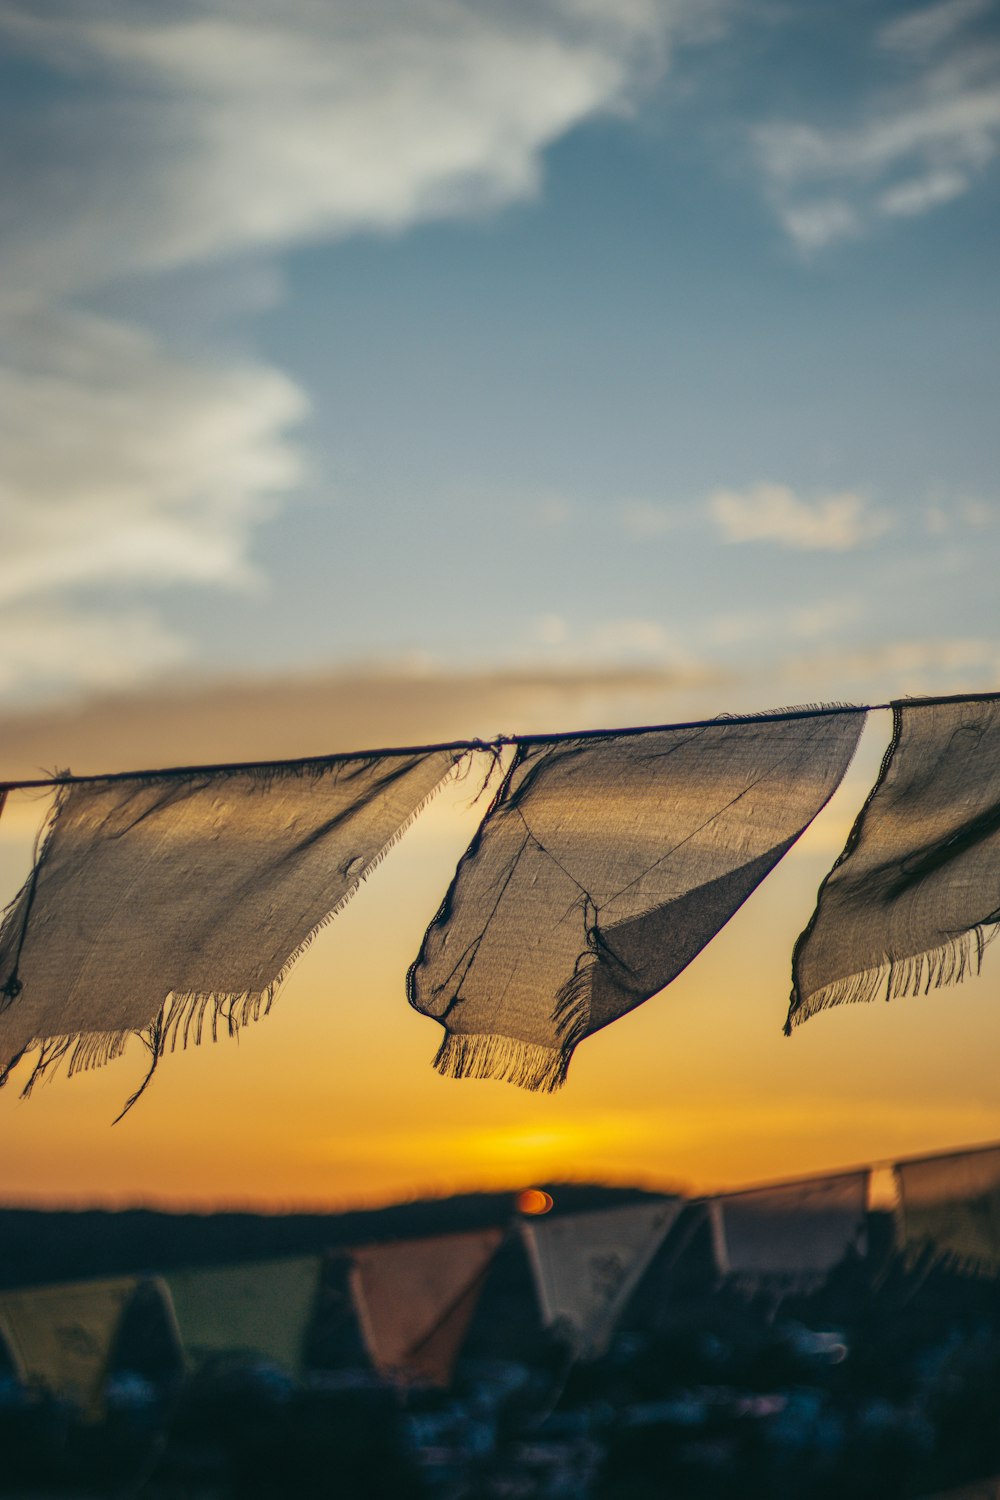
[(378, 373)]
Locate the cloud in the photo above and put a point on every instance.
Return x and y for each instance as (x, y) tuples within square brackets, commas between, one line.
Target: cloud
[(895, 668), (185, 720), (774, 513), (173, 139), (125, 469), (947, 517), (924, 30), (920, 139), (823, 618), (152, 141), (206, 131), (921, 194), (621, 640), (633, 637), (48, 650), (122, 464)]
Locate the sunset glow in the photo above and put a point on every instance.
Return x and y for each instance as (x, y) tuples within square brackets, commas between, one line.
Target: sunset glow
[(388, 375)]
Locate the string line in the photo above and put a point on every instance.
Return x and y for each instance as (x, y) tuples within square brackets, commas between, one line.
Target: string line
[(819, 711)]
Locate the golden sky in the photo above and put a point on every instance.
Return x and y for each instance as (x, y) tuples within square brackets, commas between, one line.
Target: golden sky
[(652, 353), (331, 1100)]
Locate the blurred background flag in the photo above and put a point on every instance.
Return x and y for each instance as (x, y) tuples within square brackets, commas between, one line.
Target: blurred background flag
[(796, 1231), (951, 1205), (260, 1309), (415, 1300), (586, 1266), (62, 1336)]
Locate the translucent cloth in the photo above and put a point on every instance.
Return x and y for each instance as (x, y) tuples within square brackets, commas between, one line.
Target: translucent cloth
[(797, 1232), (602, 868), (951, 1205), (259, 1308), (62, 1337), (586, 1266), (415, 1300), (158, 899), (906, 905)]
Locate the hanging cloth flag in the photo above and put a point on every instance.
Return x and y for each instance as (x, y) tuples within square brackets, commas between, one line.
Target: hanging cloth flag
[(586, 1267), (906, 905), (985, 1489), (62, 1337), (796, 1232), (415, 1300), (159, 899), (603, 866), (951, 1204), (260, 1308)]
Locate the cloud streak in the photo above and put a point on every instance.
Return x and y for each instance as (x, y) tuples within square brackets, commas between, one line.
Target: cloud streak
[(921, 138), (224, 128), (774, 513), (123, 464), (161, 140)]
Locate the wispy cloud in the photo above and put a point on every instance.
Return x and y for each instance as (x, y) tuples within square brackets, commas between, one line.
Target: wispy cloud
[(918, 140), (922, 31), (948, 517), (774, 513), (51, 648), (892, 668), (125, 465), (160, 140), (824, 618), (202, 132), (618, 640), (191, 719), (634, 649)]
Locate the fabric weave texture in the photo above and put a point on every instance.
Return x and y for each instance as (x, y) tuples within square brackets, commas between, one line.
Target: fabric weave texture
[(158, 903), (907, 906), (601, 870)]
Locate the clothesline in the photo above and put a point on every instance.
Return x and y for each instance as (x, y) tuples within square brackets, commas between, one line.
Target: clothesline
[(413, 1299), (164, 903), (497, 742), (880, 1164)]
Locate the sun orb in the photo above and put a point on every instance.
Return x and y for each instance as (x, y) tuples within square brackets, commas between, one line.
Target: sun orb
[(534, 1201)]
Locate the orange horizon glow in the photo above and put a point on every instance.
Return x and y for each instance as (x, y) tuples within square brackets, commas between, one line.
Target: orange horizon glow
[(330, 1102)]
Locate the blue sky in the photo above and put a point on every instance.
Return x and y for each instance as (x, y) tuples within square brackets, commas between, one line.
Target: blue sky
[(471, 336)]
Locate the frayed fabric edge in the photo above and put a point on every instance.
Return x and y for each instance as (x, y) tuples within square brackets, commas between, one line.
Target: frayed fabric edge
[(182, 1018), (953, 961), (539, 1069), (925, 1254), (181, 1022)]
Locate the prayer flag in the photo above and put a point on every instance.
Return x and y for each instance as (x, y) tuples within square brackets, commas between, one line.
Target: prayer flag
[(415, 1300), (157, 900), (62, 1337), (586, 1266), (906, 906), (261, 1308), (603, 866), (951, 1204), (797, 1231)]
